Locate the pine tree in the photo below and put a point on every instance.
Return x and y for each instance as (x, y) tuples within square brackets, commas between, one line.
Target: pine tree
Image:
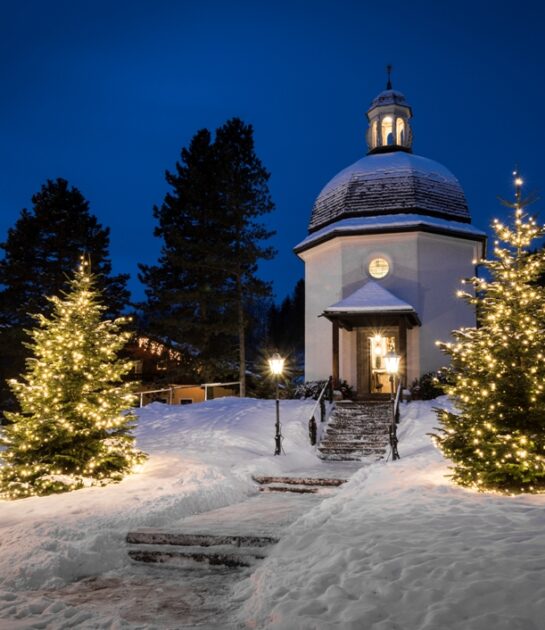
[(245, 198), (46, 241), (204, 288), (73, 429), (286, 324), (186, 290), (496, 436)]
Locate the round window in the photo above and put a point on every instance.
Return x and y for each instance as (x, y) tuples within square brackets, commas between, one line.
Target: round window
[(379, 267)]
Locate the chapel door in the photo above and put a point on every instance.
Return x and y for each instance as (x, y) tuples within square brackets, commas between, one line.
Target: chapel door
[(372, 346)]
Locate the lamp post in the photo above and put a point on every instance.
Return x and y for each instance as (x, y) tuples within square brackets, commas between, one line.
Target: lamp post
[(276, 365), (391, 360)]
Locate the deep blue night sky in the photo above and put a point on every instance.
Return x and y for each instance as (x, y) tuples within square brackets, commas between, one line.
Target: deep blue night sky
[(105, 94)]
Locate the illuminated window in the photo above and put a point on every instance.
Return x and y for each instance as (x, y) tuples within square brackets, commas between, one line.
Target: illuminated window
[(137, 366), (400, 131), (379, 268), (387, 131), (374, 135)]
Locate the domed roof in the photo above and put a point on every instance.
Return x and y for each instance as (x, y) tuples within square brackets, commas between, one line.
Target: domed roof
[(390, 183), (389, 97)]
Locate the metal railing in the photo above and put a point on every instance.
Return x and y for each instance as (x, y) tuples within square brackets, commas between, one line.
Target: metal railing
[(327, 391), (170, 390), (392, 431)]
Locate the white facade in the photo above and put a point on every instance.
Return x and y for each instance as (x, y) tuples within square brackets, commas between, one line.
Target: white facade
[(425, 271), (408, 216)]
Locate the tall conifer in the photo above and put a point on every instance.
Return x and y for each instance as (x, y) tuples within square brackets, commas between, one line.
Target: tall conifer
[(496, 435), (187, 290), (45, 242), (245, 198), (201, 290)]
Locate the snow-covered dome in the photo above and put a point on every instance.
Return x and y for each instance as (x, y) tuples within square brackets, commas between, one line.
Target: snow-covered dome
[(391, 183)]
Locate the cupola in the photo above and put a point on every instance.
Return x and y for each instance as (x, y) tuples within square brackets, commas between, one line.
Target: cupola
[(389, 127)]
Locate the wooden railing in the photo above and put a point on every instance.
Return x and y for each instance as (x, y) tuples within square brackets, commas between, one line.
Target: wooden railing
[(327, 392)]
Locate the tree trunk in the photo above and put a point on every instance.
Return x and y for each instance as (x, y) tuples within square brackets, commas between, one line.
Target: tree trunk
[(241, 339)]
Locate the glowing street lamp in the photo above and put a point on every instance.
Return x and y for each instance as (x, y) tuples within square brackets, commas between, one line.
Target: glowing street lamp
[(391, 362), (276, 365)]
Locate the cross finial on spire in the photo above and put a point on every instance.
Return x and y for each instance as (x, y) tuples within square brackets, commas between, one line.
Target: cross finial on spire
[(389, 71)]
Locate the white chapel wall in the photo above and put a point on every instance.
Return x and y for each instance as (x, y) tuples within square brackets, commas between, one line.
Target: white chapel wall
[(443, 262), (322, 289)]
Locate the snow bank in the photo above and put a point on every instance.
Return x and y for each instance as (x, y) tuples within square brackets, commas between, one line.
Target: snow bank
[(400, 548), (201, 457)]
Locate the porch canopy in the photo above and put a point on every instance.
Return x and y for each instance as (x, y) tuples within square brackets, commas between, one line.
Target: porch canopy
[(370, 305)]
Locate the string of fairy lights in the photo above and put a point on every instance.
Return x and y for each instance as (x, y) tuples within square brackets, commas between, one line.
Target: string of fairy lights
[(496, 438), (73, 429)]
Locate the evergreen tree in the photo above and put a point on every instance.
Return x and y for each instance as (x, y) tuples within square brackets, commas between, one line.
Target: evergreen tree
[(72, 430), (496, 436), (46, 241), (187, 290), (204, 288), (245, 198), (287, 323)]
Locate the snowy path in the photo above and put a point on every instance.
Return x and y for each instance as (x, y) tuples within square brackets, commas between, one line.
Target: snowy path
[(191, 596)]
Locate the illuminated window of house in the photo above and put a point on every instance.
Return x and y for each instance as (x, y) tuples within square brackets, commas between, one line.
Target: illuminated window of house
[(400, 123), (387, 131), (161, 366), (137, 366)]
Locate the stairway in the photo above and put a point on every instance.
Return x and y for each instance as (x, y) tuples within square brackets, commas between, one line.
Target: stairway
[(181, 550), (298, 485), (356, 431), (235, 536)]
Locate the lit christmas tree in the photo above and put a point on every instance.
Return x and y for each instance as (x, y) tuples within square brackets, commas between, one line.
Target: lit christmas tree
[(497, 375), (73, 429)]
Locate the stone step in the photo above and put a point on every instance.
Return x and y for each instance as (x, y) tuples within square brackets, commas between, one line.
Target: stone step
[(301, 481), (352, 443), (339, 450), (363, 428), (375, 424), (163, 537), (294, 489), (333, 457), (337, 431), (176, 558)]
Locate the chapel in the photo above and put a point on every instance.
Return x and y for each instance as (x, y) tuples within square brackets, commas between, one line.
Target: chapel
[(389, 241)]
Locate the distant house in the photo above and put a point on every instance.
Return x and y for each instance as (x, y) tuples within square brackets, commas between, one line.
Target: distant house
[(162, 370), (390, 238)]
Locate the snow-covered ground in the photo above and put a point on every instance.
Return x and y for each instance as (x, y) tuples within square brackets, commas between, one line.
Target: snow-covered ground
[(397, 547)]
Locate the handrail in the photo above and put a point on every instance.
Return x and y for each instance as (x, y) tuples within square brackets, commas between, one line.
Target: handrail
[(172, 388), (396, 402), (320, 402), (392, 429)]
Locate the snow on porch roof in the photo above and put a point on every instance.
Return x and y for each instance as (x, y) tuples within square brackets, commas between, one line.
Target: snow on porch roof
[(371, 298)]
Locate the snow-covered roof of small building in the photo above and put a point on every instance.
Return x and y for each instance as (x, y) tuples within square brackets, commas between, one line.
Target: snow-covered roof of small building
[(390, 223), (370, 298), (390, 183)]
